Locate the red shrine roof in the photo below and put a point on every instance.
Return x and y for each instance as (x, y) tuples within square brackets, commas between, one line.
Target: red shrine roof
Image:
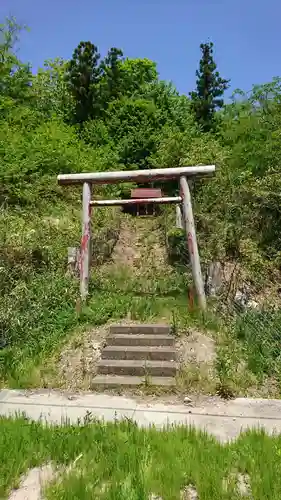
[(146, 193)]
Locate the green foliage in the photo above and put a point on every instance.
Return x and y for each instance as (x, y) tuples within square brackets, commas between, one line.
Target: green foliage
[(91, 115), (120, 102), (251, 135), (15, 77), (34, 282), (122, 461), (176, 246), (112, 77), (96, 133), (83, 75), (261, 334), (137, 73), (52, 93), (210, 89), (134, 125), (31, 159), (94, 86)]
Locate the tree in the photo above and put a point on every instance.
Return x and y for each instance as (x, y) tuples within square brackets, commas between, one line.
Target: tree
[(112, 78), (134, 125), (137, 74), (125, 77), (83, 75), (15, 77), (207, 98), (51, 91)]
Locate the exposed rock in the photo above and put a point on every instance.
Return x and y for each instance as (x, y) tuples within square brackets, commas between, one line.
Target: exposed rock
[(243, 485), (252, 304), (242, 482), (189, 493), (243, 301), (213, 279)]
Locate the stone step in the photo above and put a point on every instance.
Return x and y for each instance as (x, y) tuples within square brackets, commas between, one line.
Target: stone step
[(140, 352), (140, 329), (112, 381), (129, 339), (137, 367)]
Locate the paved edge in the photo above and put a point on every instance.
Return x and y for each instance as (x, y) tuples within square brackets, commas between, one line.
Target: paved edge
[(117, 381), (224, 420)]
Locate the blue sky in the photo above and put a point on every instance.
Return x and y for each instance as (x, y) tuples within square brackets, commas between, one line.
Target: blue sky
[(246, 34)]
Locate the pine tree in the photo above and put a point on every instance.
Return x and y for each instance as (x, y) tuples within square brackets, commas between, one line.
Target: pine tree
[(83, 75), (112, 75), (210, 88)]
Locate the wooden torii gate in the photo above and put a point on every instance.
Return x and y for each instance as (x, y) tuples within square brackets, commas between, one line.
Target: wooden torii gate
[(141, 176)]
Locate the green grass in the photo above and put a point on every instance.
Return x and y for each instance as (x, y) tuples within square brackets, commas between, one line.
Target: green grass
[(248, 354), (37, 297), (260, 332), (121, 461)]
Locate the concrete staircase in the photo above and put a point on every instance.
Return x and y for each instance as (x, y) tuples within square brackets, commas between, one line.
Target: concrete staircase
[(137, 354)]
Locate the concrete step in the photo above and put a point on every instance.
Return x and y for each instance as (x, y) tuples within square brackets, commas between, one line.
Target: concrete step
[(137, 367), (140, 352), (129, 339), (140, 329), (112, 381)]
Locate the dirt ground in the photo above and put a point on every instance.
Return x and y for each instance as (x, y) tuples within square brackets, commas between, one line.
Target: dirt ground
[(32, 484), (126, 250)]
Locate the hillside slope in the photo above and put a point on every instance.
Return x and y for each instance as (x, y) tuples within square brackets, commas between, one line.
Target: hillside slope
[(139, 263)]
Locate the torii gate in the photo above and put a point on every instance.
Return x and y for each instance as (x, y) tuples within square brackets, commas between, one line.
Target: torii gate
[(181, 173)]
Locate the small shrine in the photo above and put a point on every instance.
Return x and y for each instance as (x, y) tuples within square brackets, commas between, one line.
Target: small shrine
[(140, 195)]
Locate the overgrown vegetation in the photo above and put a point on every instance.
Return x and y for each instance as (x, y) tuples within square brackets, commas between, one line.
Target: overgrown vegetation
[(90, 114), (120, 460)]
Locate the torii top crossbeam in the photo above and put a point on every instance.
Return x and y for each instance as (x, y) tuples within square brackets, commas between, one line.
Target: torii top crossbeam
[(135, 175)]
